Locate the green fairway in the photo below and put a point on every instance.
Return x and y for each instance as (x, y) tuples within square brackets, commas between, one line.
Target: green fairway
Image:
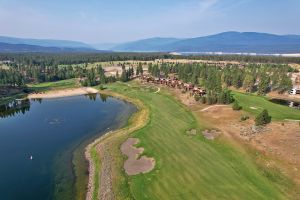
[(255, 104), (64, 84), (190, 167)]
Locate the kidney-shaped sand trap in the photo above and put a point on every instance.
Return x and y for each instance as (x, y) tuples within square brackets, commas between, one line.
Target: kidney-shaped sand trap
[(133, 165)]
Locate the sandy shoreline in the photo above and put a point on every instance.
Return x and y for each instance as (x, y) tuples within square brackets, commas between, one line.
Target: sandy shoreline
[(63, 93), (101, 145)]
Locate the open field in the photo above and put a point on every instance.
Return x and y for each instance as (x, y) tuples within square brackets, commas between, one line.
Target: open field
[(134, 63), (255, 104), (187, 166)]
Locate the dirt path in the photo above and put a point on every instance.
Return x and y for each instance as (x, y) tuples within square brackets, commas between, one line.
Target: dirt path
[(106, 190), (158, 90), (63, 93), (135, 165), (205, 109)]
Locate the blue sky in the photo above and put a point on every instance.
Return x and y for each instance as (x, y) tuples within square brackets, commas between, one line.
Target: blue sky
[(98, 21)]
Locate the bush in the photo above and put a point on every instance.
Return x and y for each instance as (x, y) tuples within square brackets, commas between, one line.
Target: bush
[(101, 87), (263, 118), (225, 97), (244, 118), (203, 100), (197, 97), (236, 106)]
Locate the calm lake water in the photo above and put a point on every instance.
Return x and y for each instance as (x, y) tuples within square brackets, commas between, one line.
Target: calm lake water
[(46, 130)]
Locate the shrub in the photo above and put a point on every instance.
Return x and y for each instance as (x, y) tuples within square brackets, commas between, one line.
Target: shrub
[(236, 106), (244, 118), (225, 97), (263, 118), (197, 97), (101, 87), (203, 100)]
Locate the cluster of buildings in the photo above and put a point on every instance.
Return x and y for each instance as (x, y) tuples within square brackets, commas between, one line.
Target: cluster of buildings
[(174, 83), (294, 91)]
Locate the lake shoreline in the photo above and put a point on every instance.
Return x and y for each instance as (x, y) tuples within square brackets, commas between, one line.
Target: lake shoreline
[(61, 93), (99, 145), (51, 94), (98, 114)]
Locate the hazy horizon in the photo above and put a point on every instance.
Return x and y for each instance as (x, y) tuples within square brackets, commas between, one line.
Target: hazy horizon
[(118, 21)]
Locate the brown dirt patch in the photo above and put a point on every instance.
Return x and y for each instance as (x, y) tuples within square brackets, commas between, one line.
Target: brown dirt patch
[(135, 165), (63, 93)]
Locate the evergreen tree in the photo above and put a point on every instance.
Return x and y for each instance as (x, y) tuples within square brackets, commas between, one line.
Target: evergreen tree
[(236, 106), (285, 84), (264, 84), (263, 118)]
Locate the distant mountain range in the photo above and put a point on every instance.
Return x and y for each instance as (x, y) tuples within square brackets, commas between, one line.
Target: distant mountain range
[(227, 42), (21, 48), (11, 44), (151, 44)]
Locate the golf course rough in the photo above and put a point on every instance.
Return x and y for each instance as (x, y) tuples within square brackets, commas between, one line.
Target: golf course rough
[(187, 167)]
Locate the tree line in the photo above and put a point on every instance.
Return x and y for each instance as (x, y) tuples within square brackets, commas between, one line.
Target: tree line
[(260, 78), (42, 67), (217, 80)]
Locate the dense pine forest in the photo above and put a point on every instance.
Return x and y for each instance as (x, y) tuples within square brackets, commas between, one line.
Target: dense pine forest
[(260, 78), (42, 67), (218, 80)]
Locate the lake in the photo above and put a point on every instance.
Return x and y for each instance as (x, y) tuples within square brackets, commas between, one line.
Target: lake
[(291, 104), (38, 139)]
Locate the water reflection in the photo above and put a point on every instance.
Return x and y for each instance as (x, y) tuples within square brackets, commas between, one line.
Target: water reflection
[(103, 97), (14, 107), (93, 97), (51, 132), (23, 105)]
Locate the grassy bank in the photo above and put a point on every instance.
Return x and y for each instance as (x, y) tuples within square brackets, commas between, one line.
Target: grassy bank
[(255, 104), (113, 141), (41, 87), (58, 85), (187, 167)]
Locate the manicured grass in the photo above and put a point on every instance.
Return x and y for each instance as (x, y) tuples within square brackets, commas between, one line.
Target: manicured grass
[(96, 161), (189, 167), (278, 112), (64, 84)]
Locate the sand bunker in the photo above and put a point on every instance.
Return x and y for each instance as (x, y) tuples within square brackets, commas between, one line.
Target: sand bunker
[(211, 134), (63, 93), (135, 165)]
